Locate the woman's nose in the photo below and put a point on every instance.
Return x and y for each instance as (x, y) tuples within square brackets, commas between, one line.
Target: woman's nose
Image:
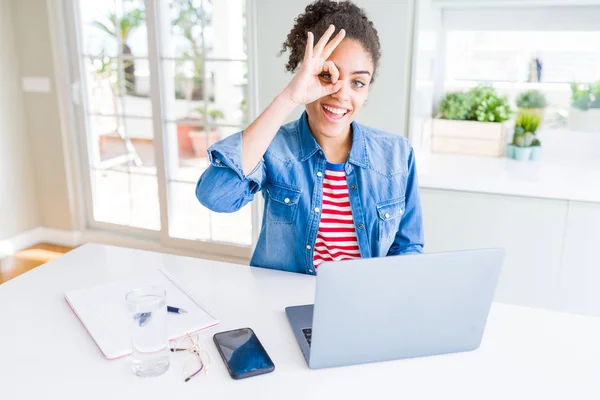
[(342, 95)]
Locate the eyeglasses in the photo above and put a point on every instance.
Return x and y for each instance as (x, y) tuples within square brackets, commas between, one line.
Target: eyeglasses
[(197, 360)]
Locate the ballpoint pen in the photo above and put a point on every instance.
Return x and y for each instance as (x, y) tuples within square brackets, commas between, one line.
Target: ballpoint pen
[(176, 310), (144, 317)]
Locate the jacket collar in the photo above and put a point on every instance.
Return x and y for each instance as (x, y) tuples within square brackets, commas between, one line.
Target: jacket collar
[(309, 146)]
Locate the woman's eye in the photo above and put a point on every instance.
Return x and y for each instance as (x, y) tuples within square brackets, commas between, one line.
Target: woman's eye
[(358, 84), (326, 76)]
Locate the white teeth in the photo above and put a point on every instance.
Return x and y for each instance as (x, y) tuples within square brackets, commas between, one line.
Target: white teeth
[(335, 110)]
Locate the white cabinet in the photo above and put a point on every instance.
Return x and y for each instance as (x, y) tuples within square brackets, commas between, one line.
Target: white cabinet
[(579, 280), (530, 229)]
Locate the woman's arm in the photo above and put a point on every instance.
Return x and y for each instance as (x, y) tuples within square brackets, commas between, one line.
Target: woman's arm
[(236, 171)]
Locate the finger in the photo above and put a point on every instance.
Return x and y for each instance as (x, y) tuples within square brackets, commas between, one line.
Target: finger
[(323, 41), (330, 67), (308, 52), (333, 44)]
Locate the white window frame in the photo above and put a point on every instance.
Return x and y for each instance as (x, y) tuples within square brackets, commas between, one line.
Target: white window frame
[(66, 38)]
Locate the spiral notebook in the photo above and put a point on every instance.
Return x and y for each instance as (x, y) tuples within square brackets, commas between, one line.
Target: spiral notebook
[(102, 311)]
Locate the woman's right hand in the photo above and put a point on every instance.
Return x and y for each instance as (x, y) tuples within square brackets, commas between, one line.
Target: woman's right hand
[(306, 86)]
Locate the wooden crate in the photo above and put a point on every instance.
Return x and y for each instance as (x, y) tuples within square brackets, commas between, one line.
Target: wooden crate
[(468, 137)]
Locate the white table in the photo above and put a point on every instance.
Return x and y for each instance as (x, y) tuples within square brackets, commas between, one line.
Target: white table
[(46, 353)]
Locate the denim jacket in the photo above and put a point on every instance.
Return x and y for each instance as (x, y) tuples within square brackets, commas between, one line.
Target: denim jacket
[(382, 187)]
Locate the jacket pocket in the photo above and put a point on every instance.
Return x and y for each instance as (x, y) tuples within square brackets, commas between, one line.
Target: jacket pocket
[(389, 213), (282, 203)]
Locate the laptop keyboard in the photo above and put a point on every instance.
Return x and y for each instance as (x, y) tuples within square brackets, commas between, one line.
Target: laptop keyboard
[(307, 335)]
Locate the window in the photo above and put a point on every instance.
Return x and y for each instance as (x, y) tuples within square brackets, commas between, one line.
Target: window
[(516, 49), (505, 59), (161, 82)]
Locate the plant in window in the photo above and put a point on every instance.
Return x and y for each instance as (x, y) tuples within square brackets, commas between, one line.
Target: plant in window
[(585, 107), (525, 145), (595, 95), (528, 122), (120, 28), (581, 95), (213, 114), (471, 123), (202, 137), (519, 136), (455, 106), (488, 106), (105, 69), (532, 99), (190, 18)]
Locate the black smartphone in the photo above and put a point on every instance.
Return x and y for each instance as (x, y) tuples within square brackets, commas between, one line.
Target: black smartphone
[(243, 353)]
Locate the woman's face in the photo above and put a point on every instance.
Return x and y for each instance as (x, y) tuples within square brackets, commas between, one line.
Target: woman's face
[(331, 115)]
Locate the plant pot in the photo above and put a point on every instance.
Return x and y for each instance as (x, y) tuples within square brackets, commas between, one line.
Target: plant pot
[(468, 137), (184, 142), (510, 150), (198, 138), (584, 120), (535, 153), (522, 153)]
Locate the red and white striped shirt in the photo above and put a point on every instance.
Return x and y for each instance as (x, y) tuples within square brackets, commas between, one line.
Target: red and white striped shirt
[(336, 237)]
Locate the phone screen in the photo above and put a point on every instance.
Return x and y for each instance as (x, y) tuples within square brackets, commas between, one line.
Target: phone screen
[(243, 353)]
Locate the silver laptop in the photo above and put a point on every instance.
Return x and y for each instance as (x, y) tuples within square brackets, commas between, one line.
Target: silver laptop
[(389, 308)]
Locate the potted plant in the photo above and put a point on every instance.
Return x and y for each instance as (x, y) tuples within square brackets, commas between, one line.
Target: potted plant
[(198, 133), (471, 123), (532, 101), (120, 28), (525, 145), (585, 107), (522, 146), (536, 147)]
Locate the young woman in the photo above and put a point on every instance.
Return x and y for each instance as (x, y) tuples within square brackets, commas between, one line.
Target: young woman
[(334, 189)]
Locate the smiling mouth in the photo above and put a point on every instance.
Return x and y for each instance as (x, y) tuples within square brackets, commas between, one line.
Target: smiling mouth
[(334, 114)]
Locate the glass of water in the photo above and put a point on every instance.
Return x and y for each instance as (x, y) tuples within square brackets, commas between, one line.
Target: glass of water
[(149, 339)]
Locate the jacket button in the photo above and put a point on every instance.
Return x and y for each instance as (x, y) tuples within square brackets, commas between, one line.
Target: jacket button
[(387, 215), (217, 161), (317, 209), (361, 226), (353, 187), (286, 200), (308, 247), (319, 173)]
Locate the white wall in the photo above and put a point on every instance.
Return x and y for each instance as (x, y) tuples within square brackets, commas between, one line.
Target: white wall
[(18, 199), (388, 99), (41, 110)]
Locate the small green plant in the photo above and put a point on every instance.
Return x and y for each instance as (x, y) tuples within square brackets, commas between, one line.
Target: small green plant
[(528, 121), (519, 136), (536, 142), (595, 103), (529, 138), (213, 113), (488, 106), (532, 99), (519, 141), (455, 106), (481, 103), (585, 95)]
